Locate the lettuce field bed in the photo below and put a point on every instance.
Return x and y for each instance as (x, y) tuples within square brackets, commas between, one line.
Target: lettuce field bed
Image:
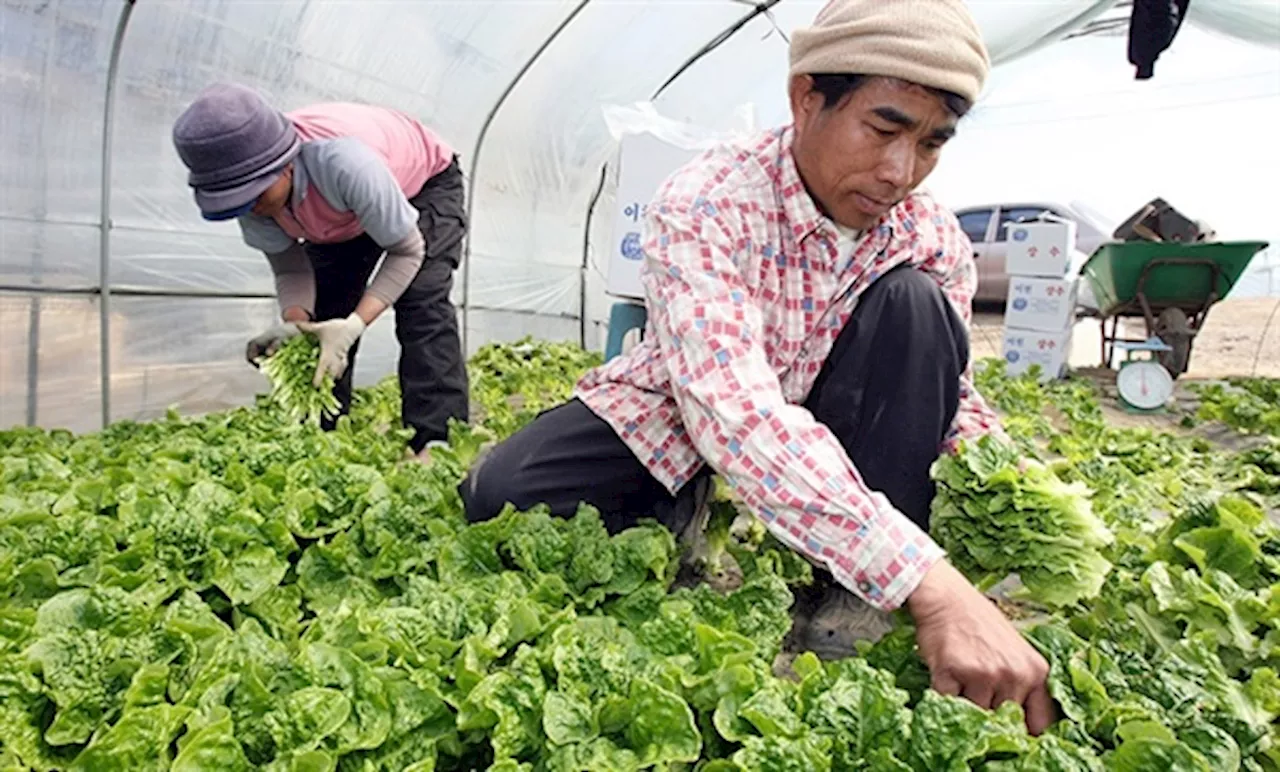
[(244, 591)]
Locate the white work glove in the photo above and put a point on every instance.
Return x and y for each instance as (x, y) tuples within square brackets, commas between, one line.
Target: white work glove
[(269, 342), (337, 336)]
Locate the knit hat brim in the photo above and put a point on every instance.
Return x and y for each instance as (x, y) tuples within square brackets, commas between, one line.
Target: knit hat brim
[(229, 203), (220, 201)]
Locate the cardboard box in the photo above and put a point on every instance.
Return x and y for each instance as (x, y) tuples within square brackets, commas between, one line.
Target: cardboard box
[(1047, 305), (1041, 248), (1024, 348), (644, 163)]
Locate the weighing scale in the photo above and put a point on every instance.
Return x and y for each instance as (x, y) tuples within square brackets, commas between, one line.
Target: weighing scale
[(1145, 386)]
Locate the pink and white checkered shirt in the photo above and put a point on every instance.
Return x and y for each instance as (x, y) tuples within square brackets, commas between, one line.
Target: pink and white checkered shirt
[(747, 289)]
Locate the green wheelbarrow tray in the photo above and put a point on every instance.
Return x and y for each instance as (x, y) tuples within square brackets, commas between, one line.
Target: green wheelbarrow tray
[(1167, 273), (1170, 284)]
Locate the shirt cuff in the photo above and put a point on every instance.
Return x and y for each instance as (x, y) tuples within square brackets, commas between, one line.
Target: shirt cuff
[(971, 425), (882, 561)]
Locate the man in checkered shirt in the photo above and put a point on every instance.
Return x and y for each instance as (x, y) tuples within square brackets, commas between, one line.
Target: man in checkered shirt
[(808, 342)]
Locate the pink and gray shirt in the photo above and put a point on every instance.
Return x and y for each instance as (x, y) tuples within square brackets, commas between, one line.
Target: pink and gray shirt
[(355, 174)]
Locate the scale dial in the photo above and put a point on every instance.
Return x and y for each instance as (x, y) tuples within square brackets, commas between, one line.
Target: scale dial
[(1145, 385)]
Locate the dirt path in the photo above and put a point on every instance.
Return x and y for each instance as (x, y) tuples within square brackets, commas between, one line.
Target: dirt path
[(1241, 337)]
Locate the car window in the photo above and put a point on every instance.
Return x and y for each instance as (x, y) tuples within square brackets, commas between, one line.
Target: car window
[(1015, 214), (975, 223)]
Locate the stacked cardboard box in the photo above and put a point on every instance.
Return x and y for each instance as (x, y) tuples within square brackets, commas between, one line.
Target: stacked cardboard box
[(1040, 312), (644, 162)]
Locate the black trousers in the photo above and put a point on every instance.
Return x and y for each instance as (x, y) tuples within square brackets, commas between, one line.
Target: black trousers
[(433, 373), (889, 391)]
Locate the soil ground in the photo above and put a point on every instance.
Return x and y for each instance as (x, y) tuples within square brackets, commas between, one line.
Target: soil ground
[(1240, 337)]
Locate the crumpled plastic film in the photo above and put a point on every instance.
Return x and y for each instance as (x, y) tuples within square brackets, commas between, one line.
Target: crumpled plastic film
[(644, 117)]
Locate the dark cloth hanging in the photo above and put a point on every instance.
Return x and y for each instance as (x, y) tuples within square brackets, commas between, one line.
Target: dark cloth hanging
[(1152, 28)]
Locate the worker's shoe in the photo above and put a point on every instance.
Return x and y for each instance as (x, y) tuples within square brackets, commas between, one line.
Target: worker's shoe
[(692, 510), (687, 521), (831, 623)]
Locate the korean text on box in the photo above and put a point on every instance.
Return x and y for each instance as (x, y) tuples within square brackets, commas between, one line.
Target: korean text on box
[(1040, 248), (1024, 348), (1047, 305)]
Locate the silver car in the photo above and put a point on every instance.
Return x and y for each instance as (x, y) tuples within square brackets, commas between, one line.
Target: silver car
[(985, 226)]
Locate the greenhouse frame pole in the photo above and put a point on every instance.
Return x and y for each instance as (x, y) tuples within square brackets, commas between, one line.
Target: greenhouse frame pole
[(104, 239), (759, 9), (35, 310), (586, 257), (475, 160)]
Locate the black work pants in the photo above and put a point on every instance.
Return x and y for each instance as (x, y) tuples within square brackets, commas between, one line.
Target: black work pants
[(889, 391), (433, 374)]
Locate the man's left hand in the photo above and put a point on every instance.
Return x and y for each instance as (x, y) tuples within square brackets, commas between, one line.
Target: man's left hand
[(337, 336)]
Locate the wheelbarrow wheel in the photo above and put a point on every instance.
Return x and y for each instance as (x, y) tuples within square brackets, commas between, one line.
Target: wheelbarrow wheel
[(1174, 329)]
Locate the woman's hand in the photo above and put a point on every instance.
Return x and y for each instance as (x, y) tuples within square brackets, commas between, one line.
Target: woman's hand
[(336, 336), (267, 343)]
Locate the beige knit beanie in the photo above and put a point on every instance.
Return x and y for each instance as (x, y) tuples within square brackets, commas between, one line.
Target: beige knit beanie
[(932, 43)]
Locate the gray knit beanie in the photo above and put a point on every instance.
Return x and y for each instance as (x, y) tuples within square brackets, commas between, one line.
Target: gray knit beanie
[(235, 146)]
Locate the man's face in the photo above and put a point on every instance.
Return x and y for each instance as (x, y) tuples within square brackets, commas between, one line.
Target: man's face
[(273, 199), (865, 154)]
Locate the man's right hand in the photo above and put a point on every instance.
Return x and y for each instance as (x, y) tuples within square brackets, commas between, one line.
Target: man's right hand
[(973, 651), (266, 344)]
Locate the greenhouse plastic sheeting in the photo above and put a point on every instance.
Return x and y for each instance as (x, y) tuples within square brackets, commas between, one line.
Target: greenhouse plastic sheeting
[(52, 91), (533, 264), (1257, 21)]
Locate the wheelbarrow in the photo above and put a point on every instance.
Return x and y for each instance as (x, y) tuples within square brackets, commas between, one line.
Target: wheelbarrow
[(1170, 285)]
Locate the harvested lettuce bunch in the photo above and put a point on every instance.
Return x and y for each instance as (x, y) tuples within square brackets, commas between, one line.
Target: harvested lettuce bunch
[(291, 371), (997, 514)]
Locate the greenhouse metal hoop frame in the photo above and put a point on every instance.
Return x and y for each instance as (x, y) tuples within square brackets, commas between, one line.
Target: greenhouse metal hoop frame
[(105, 292)]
